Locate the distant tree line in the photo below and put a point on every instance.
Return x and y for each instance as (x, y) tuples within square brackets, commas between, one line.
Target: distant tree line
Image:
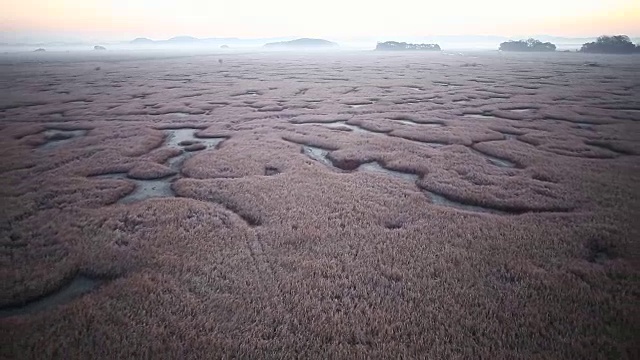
[(400, 46), (618, 44), (527, 45)]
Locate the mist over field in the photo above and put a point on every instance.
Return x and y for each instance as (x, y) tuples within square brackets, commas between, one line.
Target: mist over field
[(212, 45), (365, 190)]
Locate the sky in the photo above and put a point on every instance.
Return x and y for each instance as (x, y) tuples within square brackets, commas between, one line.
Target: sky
[(334, 19)]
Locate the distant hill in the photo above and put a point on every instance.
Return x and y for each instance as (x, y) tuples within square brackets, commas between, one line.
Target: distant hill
[(302, 43), (193, 41), (403, 46), (142, 41), (183, 39)]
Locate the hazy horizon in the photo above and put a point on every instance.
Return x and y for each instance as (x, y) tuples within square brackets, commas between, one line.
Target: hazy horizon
[(93, 20)]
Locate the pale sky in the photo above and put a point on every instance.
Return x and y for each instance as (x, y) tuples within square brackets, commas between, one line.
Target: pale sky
[(159, 19)]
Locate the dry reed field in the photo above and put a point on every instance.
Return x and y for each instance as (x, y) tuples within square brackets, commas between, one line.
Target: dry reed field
[(346, 205)]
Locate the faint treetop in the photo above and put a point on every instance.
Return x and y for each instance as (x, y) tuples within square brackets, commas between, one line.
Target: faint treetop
[(527, 45), (618, 44)]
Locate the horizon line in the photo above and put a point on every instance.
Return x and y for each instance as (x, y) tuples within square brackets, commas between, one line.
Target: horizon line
[(66, 40)]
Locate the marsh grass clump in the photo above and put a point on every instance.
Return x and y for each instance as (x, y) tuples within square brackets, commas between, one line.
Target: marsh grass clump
[(344, 164), (195, 147), (231, 160)]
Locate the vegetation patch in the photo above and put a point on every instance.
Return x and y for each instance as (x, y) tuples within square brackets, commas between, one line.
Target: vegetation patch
[(527, 46), (500, 235), (618, 44)]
